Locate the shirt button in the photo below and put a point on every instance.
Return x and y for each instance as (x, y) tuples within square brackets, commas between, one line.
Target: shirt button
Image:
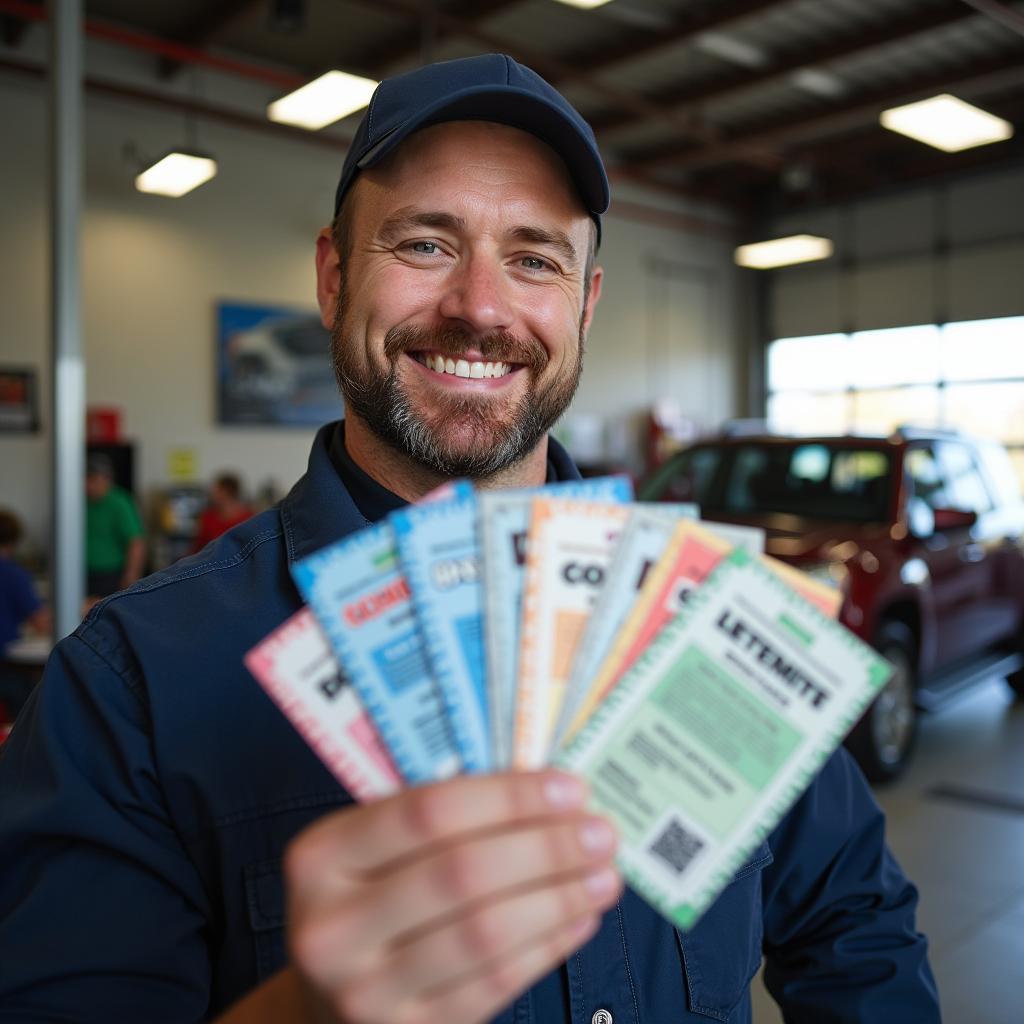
[(602, 1016)]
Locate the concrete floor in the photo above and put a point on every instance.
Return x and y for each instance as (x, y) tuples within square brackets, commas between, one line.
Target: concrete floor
[(965, 853)]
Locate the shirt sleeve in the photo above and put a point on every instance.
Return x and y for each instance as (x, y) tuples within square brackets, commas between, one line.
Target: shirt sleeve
[(103, 917), (841, 942), (128, 520)]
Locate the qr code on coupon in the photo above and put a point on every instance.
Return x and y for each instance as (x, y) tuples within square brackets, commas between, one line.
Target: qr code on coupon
[(676, 846)]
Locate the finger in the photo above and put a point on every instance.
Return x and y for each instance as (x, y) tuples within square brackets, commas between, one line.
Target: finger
[(368, 838), (444, 884), (448, 882), (488, 933), (479, 997)]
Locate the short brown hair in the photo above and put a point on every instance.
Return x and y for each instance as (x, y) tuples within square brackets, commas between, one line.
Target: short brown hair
[(10, 529)]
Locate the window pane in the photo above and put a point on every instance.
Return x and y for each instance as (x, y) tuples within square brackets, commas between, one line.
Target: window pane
[(1017, 458), (881, 412), (898, 355), (988, 410), (801, 413), (812, 364), (983, 349), (967, 489)]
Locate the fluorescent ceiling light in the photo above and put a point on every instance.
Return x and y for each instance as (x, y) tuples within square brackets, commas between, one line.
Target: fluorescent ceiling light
[(176, 174), (947, 123), (323, 101), (729, 48), (820, 83), (585, 4), (783, 252)]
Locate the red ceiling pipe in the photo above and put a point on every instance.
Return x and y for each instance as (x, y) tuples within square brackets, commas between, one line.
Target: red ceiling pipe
[(148, 43)]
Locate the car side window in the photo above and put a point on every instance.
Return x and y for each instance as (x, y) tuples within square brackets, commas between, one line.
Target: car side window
[(966, 486), (928, 490), (692, 476)]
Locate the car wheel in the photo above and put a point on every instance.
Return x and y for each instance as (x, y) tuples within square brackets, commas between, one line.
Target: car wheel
[(883, 740)]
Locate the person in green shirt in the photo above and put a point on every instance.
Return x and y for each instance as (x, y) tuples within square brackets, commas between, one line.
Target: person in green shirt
[(115, 551)]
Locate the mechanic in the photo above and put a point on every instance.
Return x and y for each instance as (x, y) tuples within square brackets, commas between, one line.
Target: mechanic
[(171, 848)]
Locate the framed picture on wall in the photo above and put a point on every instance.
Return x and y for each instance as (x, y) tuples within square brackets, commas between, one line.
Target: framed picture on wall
[(274, 367), (19, 400)]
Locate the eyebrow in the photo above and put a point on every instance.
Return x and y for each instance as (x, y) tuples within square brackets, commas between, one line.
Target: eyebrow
[(412, 217)]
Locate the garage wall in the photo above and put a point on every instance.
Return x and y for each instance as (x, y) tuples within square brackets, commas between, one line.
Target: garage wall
[(154, 268), (886, 272)]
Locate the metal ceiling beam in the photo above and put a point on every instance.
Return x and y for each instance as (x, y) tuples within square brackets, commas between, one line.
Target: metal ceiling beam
[(408, 44), (987, 73), (685, 27), (556, 70), (1000, 12), (684, 100), (201, 30)]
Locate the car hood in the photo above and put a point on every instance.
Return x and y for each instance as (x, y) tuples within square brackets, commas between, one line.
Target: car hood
[(800, 539)]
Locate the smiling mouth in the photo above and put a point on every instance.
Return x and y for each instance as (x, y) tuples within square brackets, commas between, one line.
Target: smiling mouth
[(474, 369)]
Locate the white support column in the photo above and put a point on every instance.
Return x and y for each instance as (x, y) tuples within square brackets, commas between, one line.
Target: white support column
[(67, 438)]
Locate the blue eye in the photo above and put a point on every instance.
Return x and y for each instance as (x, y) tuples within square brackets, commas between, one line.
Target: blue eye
[(427, 248), (534, 263)]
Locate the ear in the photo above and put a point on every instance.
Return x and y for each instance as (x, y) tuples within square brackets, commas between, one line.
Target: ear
[(596, 277), (328, 277)]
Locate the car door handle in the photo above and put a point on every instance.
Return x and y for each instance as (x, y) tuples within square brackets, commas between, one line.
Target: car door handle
[(972, 553)]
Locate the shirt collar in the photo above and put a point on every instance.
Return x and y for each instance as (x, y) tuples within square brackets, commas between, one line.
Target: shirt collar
[(319, 509)]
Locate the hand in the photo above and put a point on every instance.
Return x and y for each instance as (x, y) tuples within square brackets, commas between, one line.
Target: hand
[(446, 901)]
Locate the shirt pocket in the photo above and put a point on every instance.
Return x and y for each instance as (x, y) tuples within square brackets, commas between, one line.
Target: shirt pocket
[(264, 895), (722, 952)]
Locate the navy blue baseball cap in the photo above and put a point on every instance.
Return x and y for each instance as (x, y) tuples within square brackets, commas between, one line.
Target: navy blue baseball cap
[(489, 87)]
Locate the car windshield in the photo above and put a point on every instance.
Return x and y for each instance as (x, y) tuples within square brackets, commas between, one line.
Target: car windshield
[(815, 480)]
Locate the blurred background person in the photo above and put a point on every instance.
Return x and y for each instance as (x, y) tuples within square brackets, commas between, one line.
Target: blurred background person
[(20, 605), (115, 551), (225, 510)]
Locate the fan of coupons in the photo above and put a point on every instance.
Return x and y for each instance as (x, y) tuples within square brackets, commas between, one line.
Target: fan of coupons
[(696, 684)]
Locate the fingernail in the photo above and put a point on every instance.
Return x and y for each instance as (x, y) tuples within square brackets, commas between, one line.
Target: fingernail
[(601, 883), (564, 791), (596, 835)]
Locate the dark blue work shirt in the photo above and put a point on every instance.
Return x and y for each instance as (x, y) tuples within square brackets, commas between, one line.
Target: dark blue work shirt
[(149, 789)]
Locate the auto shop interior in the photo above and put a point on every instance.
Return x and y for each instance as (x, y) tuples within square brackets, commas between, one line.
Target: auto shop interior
[(811, 323)]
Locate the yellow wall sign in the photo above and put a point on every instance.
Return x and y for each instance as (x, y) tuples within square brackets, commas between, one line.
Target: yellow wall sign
[(182, 465)]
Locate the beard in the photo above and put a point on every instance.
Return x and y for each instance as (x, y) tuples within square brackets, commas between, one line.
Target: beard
[(474, 436)]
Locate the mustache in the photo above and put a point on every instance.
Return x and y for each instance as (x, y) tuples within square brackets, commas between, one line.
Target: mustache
[(496, 346)]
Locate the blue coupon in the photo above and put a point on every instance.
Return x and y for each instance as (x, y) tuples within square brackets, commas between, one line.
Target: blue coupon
[(361, 597), (504, 521), (439, 554)]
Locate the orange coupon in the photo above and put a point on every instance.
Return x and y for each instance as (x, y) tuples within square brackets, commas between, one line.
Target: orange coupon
[(569, 547)]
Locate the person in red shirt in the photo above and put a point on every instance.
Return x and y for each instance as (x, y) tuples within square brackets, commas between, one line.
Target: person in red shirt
[(226, 509)]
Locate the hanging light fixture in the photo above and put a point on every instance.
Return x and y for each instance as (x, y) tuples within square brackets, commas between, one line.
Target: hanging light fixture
[(176, 173)]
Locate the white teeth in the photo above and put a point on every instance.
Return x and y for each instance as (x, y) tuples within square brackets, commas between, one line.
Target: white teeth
[(463, 367)]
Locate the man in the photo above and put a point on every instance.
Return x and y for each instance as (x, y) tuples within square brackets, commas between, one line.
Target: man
[(224, 510), (114, 549), (174, 851)]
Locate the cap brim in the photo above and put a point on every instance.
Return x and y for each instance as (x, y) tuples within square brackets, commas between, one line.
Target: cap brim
[(516, 108)]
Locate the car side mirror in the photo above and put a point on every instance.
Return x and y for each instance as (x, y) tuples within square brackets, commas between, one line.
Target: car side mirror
[(954, 519)]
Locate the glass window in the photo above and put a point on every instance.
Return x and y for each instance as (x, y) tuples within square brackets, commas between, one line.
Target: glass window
[(688, 476), (994, 411), (967, 489), (808, 364), (898, 355), (882, 411), (798, 412), (817, 481), (983, 349)]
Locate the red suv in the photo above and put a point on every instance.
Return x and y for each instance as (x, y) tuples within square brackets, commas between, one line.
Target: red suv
[(922, 532)]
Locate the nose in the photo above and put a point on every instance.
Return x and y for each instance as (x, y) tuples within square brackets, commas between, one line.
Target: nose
[(477, 294)]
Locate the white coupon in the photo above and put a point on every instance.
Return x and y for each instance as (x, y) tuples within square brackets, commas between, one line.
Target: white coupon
[(717, 729), (569, 547), (298, 670)]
